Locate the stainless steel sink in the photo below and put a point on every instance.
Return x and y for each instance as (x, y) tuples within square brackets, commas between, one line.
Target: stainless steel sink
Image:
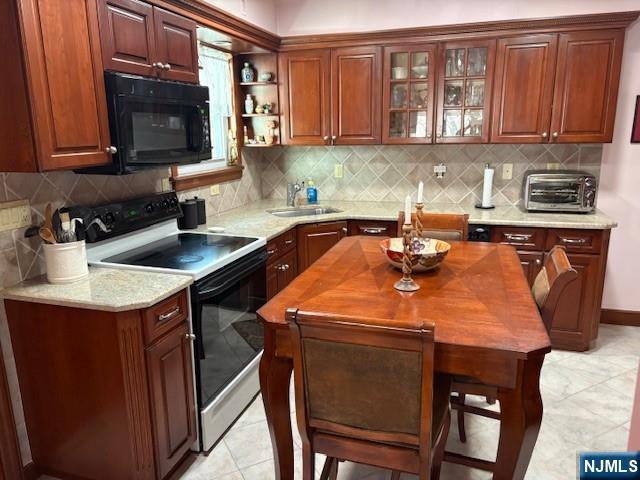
[(302, 211)]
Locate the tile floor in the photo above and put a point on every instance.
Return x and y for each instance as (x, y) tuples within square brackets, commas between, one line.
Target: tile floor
[(587, 400)]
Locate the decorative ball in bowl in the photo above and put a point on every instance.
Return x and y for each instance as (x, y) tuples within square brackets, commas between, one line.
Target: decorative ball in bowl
[(426, 253)]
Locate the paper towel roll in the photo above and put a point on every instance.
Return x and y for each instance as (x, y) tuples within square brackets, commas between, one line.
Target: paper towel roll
[(487, 186)]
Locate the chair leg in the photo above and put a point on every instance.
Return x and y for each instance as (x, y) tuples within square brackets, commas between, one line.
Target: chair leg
[(461, 430), (330, 469), (395, 475), (491, 400), (308, 463), (438, 454)]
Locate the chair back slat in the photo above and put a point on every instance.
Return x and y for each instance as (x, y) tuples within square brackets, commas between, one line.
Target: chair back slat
[(441, 226), (551, 283)]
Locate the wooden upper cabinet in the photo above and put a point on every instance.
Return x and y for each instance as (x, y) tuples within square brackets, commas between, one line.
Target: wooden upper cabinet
[(356, 91), (408, 82), (305, 89), (586, 88), (464, 91), (63, 76), (141, 39), (177, 47), (523, 89), (126, 32)]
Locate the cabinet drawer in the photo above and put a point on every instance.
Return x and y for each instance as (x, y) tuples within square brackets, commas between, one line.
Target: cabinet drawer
[(522, 238), (377, 228), (579, 241), (276, 247), (164, 316)]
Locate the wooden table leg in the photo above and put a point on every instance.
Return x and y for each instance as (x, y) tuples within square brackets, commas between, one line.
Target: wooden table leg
[(521, 416), (275, 376)]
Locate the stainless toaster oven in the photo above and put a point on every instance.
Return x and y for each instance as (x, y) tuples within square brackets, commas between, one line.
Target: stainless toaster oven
[(559, 191)]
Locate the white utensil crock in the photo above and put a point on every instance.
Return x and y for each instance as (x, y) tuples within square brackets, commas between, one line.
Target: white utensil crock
[(66, 262)]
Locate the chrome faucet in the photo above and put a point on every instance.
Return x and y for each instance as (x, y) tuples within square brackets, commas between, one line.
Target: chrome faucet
[(292, 190)]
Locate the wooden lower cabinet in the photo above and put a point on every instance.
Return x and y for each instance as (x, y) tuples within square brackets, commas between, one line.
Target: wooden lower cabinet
[(99, 401), (172, 398), (314, 240), (531, 264)]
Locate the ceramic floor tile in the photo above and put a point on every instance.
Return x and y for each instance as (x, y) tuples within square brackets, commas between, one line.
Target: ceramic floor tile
[(616, 440), (249, 445), (253, 414), (575, 423), (606, 401)]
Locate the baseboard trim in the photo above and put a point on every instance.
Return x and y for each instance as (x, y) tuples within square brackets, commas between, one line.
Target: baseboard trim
[(30, 471), (620, 317)]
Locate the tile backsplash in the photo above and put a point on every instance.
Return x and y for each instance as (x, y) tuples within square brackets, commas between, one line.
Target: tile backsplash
[(389, 173)]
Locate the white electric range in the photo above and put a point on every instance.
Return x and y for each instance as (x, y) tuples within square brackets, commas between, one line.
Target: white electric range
[(230, 285)]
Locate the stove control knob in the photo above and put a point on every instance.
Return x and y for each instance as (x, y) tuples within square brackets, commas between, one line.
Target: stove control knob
[(109, 218), (149, 208), (174, 202), (165, 204)]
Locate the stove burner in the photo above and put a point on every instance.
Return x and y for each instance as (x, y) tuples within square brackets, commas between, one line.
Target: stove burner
[(189, 258)]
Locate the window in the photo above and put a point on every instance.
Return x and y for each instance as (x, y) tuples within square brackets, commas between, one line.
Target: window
[(216, 74)]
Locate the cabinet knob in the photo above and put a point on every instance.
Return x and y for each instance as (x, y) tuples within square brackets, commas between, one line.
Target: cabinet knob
[(325, 138), (190, 336), (438, 135), (344, 230), (156, 65), (112, 150), (554, 134), (545, 134), (166, 66), (538, 261)]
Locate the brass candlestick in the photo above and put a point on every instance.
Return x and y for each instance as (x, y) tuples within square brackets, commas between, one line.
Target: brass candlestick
[(406, 283), (419, 207)]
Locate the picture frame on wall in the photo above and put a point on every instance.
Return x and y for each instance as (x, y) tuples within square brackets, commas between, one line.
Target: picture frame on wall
[(635, 129)]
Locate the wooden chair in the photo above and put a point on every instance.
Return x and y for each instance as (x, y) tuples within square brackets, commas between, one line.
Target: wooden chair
[(442, 226), (547, 290), (368, 394)]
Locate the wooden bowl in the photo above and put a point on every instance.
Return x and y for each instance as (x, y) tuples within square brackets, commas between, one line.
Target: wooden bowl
[(426, 253)]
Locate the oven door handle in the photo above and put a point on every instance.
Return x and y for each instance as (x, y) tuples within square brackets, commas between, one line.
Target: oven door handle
[(224, 283), (195, 134)]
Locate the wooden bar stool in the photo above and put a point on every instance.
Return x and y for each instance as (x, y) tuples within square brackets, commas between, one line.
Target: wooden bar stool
[(368, 394), (547, 290)]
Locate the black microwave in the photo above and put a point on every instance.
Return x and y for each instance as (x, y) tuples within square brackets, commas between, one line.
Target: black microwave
[(154, 123)]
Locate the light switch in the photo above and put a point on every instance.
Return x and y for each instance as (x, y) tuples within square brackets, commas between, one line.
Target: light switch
[(14, 214), (214, 190), (338, 170), (507, 171)]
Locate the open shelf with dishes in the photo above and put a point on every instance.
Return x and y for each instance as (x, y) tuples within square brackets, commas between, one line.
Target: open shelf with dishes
[(258, 102)]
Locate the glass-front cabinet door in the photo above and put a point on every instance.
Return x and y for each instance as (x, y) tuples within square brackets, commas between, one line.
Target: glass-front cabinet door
[(464, 91), (407, 113)]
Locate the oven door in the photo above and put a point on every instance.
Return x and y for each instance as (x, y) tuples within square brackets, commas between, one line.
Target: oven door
[(157, 131), (555, 194), (228, 333)]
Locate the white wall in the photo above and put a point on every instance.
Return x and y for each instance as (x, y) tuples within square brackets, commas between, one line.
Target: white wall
[(299, 17), (259, 12), (620, 178), (619, 194)]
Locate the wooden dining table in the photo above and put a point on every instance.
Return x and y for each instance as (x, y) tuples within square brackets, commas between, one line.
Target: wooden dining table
[(487, 326)]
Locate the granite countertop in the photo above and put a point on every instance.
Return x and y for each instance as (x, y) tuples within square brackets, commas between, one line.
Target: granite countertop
[(108, 289), (253, 219)]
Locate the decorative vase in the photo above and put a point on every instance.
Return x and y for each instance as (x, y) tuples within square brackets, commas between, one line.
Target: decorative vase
[(268, 139), (267, 108), (265, 76), (247, 73), (259, 109), (248, 104)]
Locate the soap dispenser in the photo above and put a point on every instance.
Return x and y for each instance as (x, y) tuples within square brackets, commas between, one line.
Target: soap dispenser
[(312, 192)]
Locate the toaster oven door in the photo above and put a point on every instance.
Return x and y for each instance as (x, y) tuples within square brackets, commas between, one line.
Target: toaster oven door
[(554, 194)]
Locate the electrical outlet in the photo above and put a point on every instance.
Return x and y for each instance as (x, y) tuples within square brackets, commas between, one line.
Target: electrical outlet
[(214, 190), (440, 170), (338, 170), (166, 184), (14, 214), (507, 171), (553, 166)]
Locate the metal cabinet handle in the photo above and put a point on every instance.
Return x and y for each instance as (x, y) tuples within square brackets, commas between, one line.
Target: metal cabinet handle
[(190, 336), (271, 251), (518, 237), (545, 134), (344, 229), (333, 139), (283, 267), (169, 315), (288, 242), (573, 241), (325, 138), (373, 230), (112, 150), (554, 134)]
